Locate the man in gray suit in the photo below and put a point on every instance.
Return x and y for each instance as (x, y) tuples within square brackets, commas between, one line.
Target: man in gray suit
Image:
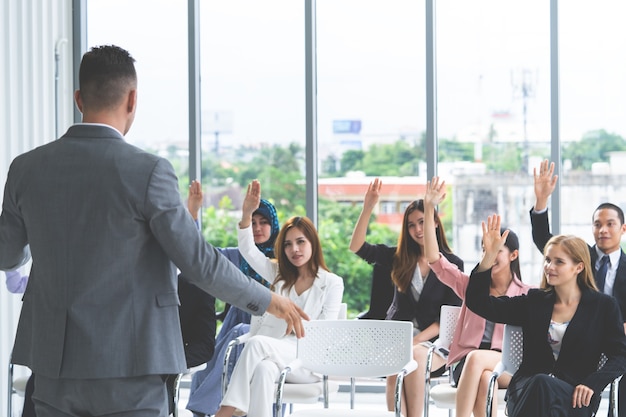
[(106, 227)]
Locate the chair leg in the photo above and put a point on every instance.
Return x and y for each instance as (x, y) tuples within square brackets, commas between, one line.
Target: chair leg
[(429, 365), (10, 393), (176, 394), (352, 392), (491, 392)]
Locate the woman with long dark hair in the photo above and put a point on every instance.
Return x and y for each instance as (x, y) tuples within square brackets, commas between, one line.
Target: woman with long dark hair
[(477, 343), (418, 295)]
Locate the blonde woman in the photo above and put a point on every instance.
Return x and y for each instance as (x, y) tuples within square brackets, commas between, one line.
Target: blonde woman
[(568, 324)]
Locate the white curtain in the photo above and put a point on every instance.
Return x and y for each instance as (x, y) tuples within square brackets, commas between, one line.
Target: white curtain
[(36, 101)]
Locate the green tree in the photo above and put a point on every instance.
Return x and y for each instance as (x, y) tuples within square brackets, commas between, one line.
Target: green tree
[(220, 224), (452, 150), (330, 166), (352, 160), (398, 158), (335, 230), (593, 147), (503, 157)]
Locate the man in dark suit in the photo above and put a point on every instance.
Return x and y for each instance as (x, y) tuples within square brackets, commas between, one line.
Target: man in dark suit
[(106, 227), (607, 257), (197, 323)]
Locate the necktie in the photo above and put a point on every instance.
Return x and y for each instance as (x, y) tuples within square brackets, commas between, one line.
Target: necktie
[(601, 274)]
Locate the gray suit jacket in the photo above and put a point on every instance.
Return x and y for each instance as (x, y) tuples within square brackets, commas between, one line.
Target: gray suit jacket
[(107, 228)]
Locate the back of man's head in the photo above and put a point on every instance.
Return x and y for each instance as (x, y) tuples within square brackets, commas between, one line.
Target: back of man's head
[(106, 75)]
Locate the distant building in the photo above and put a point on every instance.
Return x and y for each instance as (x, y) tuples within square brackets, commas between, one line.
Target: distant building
[(396, 194), (476, 193)]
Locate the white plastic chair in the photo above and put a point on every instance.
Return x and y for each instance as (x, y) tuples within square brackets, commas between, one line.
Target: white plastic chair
[(353, 348), (308, 393), (512, 350), (16, 385), (613, 389), (177, 382), (448, 318)]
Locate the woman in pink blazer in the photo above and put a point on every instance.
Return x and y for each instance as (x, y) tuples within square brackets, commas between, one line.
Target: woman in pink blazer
[(477, 343)]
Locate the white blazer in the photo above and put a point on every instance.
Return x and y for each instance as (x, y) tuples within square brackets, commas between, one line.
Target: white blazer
[(323, 302)]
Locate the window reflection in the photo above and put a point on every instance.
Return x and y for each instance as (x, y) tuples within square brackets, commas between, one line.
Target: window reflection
[(494, 122), (161, 122), (593, 124)]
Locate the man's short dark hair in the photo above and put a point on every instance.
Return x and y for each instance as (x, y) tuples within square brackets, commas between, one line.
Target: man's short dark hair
[(106, 75), (611, 206)]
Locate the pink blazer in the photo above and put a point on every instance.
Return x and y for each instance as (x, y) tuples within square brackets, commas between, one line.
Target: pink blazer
[(470, 327)]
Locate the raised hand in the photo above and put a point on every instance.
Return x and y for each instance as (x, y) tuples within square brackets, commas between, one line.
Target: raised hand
[(545, 182), (369, 203), (493, 241), (250, 203), (373, 194), (435, 192), (194, 200)]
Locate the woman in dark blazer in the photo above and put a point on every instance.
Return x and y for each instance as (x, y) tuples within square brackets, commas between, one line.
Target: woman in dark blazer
[(567, 326), (418, 294)]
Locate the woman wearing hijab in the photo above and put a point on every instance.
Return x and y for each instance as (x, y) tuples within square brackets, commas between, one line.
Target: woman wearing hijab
[(206, 390)]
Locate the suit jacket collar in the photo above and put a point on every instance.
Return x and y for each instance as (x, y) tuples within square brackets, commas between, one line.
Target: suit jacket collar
[(94, 130)]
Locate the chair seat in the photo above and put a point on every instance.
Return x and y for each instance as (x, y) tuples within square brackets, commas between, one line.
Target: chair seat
[(307, 393), (444, 396), (19, 385)]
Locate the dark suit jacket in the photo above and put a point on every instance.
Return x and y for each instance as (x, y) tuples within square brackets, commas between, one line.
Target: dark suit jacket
[(596, 328), (197, 323), (381, 293), (107, 228), (541, 235), (404, 307)]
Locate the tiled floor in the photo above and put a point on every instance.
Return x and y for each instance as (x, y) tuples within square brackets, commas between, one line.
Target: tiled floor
[(373, 399)]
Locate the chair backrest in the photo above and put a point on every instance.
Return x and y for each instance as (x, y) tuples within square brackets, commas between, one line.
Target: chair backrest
[(356, 348), (448, 318), (512, 348), (257, 321)]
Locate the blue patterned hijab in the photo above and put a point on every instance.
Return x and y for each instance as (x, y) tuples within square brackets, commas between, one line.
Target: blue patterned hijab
[(267, 210)]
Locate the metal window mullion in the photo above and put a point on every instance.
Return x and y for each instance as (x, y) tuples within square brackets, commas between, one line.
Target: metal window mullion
[(310, 51)]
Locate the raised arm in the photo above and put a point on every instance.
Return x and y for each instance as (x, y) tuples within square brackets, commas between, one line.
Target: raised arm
[(492, 242), (545, 182), (369, 202), (194, 201), (435, 194), (251, 253), (250, 203), (477, 295)]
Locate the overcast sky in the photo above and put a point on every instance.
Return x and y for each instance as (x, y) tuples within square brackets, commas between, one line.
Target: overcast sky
[(370, 66)]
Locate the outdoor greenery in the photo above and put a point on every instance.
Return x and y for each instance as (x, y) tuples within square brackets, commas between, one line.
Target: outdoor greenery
[(280, 169)]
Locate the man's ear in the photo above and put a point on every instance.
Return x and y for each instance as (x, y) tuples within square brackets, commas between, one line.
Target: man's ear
[(131, 102), (78, 100)]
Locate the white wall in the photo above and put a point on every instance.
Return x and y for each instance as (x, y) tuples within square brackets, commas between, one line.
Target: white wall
[(30, 31)]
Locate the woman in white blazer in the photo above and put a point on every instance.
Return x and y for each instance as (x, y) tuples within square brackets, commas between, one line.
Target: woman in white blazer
[(298, 272)]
